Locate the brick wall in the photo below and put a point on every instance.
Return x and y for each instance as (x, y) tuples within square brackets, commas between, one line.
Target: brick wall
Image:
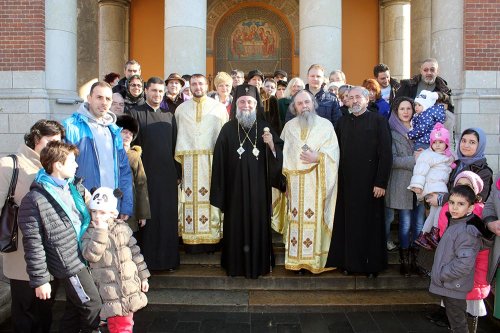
[(482, 35), (22, 35)]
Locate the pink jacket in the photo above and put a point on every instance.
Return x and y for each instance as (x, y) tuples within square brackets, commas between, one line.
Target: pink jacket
[(481, 287)]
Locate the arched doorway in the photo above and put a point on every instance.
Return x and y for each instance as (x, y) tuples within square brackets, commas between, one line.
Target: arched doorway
[(253, 37)]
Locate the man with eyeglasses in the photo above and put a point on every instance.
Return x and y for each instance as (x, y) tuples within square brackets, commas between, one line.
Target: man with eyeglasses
[(118, 104), (428, 79)]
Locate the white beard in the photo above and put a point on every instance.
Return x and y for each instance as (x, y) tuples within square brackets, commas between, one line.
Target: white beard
[(306, 118)]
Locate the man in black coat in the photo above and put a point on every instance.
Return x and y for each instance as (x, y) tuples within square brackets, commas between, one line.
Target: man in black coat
[(388, 85), (428, 79)]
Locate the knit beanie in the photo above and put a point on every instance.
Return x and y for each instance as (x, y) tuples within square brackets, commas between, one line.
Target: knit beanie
[(439, 132), (426, 99), (105, 199), (476, 181)]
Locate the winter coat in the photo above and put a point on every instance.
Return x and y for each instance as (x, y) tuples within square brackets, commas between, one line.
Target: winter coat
[(14, 266), (121, 87), (328, 106), (397, 196), (452, 273), (384, 108), (140, 186), (431, 172), (78, 132), (118, 268), (50, 241), (409, 88), (423, 123), (491, 213), (394, 88), (481, 287)]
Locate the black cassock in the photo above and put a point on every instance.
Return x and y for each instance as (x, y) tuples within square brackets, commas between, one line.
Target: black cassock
[(159, 239), (358, 241), (241, 189)]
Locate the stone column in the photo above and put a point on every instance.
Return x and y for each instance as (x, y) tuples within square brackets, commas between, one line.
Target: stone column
[(113, 36), (395, 37), (320, 34), (88, 45), (420, 33), (185, 36), (447, 40), (60, 56)]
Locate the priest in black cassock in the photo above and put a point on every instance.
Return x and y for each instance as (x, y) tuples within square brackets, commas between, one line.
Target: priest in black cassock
[(246, 163), (358, 242), (157, 135)]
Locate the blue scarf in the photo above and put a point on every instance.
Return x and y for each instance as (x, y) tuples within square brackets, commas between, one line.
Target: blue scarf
[(479, 155), (49, 185)]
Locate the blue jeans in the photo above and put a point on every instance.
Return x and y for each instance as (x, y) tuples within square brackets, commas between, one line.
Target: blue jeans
[(411, 222), (389, 217)]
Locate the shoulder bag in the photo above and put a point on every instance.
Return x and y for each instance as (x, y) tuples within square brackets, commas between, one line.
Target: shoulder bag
[(8, 216)]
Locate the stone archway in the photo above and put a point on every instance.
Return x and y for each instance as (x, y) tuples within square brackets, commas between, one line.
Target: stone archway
[(253, 37)]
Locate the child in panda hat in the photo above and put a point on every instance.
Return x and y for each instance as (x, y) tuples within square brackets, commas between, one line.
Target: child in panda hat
[(118, 268)]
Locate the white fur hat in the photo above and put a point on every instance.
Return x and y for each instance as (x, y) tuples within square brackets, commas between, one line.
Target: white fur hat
[(426, 99)]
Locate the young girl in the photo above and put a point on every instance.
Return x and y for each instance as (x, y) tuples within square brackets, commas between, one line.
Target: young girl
[(453, 269), (427, 115), (481, 289), (118, 268), (430, 175)]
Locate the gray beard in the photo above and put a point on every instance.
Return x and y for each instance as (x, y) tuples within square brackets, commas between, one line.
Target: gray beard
[(355, 109), (246, 120), (306, 119)]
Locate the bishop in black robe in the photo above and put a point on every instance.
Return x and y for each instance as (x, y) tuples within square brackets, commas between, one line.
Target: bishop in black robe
[(241, 188), (157, 136), (358, 242)]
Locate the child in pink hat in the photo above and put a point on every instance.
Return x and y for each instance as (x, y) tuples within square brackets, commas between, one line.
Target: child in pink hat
[(430, 175)]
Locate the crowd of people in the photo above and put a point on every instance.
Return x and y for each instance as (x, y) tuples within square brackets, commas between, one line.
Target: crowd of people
[(146, 167)]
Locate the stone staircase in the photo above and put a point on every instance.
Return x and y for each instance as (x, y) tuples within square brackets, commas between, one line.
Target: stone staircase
[(200, 284)]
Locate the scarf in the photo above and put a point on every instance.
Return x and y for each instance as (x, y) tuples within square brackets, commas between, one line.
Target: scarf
[(49, 184), (198, 101), (397, 125), (479, 155)]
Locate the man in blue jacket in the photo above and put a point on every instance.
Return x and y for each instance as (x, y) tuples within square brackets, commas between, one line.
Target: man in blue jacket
[(102, 160), (328, 104)]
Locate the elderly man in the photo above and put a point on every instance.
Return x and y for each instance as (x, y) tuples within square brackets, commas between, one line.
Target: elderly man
[(428, 79), (328, 104), (132, 67), (117, 105), (310, 164), (338, 77), (247, 162), (199, 121), (358, 243), (388, 85)]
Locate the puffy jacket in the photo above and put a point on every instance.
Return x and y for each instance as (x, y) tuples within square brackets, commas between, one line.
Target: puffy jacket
[(409, 88), (79, 133), (117, 266), (481, 287), (423, 123), (453, 269), (431, 172), (49, 239), (328, 106)]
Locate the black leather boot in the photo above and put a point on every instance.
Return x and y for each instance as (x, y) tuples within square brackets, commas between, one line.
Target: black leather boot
[(404, 261)]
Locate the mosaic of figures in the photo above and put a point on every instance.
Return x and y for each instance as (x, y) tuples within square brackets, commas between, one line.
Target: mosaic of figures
[(254, 40)]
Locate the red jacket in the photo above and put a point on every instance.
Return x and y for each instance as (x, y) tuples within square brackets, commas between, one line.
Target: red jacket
[(481, 287)]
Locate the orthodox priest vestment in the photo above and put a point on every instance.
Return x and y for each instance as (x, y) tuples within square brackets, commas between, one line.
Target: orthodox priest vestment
[(311, 194), (199, 122)]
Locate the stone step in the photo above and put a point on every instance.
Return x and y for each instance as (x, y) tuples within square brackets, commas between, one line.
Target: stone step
[(287, 301), (213, 277), (279, 254)]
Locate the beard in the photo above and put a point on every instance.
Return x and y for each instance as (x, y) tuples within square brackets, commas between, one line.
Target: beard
[(245, 118), (429, 81), (356, 108), (306, 118)]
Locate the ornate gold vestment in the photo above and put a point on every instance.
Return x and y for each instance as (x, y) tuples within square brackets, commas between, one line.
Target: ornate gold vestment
[(311, 193), (198, 125)]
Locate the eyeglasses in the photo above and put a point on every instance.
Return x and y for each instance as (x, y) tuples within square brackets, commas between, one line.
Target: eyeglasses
[(119, 104), (133, 85)]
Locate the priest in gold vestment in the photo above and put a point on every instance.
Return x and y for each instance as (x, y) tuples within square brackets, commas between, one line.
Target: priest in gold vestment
[(199, 122), (310, 164)]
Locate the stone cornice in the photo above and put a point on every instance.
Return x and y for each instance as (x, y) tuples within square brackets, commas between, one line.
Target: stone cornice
[(123, 3)]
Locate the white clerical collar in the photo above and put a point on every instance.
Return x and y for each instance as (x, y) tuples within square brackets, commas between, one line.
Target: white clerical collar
[(153, 107)]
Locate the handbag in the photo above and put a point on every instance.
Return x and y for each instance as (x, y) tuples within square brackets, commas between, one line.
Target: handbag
[(8, 216)]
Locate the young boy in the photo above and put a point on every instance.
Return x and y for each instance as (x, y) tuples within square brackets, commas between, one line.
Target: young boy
[(53, 217), (118, 268), (452, 274)]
